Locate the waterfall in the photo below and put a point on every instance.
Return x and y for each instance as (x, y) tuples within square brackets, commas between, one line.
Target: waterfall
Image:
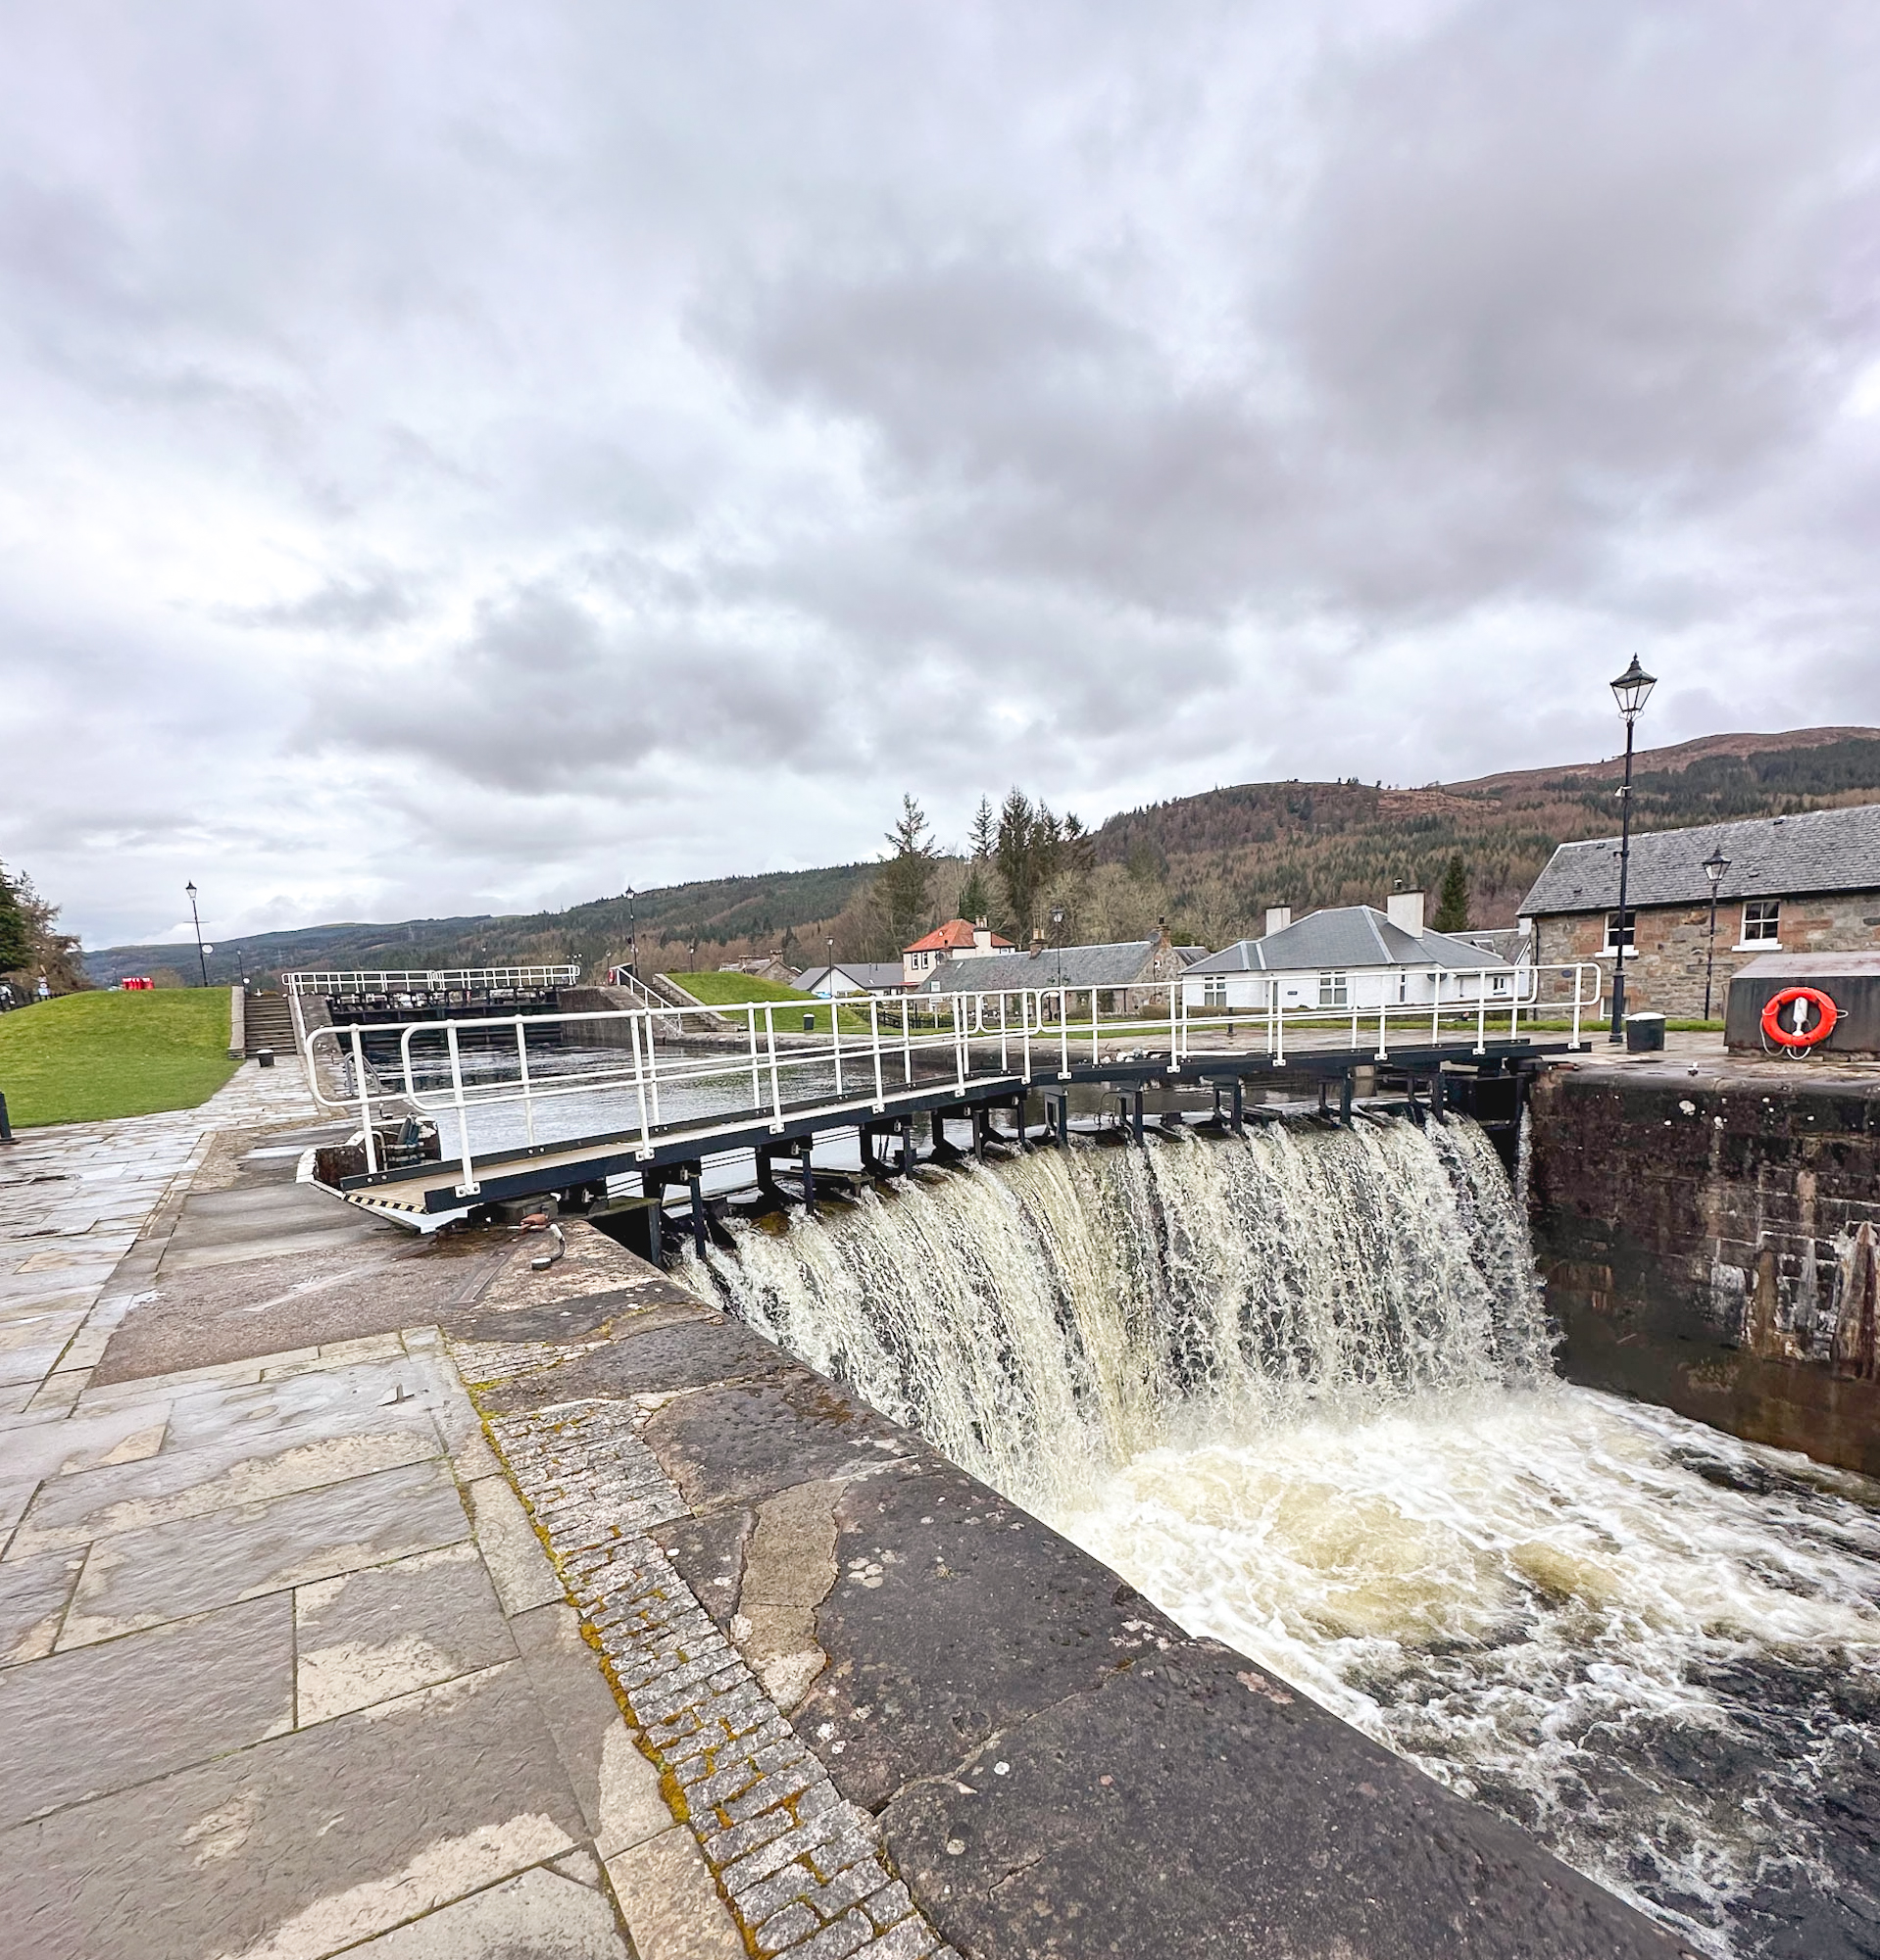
[(1053, 1317), (1297, 1388)]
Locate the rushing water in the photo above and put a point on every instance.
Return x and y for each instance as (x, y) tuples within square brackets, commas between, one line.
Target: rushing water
[(1298, 1391)]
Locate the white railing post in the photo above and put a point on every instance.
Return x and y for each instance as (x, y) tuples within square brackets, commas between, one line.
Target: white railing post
[(757, 1086), (777, 1090), (364, 1102), (907, 1043), (653, 1062), (874, 1046), (470, 1187), (521, 1067), (639, 1081), (1435, 1004)]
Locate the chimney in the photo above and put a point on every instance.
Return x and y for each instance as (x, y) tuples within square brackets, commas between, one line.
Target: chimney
[(1279, 918), (1037, 940), (1406, 911), (981, 936)]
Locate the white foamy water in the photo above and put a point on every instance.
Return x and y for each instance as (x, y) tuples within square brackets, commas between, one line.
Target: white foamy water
[(1297, 1390)]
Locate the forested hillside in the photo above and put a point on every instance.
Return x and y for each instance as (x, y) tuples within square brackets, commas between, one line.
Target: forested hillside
[(1209, 864)]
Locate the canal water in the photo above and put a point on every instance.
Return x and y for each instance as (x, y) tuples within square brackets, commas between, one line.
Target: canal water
[(1297, 1390)]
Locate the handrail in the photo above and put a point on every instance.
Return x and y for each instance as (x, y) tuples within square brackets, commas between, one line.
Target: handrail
[(627, 1056), (448, 980)]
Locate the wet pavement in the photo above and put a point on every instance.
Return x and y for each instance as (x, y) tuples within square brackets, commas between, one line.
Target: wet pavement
[(283, 1668)]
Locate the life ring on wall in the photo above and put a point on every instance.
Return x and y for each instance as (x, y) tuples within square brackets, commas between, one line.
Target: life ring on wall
[(1797, 1036)]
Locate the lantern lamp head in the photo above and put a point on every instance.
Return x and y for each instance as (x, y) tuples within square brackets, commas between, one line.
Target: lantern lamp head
[(1633, 689)]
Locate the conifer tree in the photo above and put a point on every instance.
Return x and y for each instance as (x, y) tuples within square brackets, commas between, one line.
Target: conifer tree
[(903, 885), (1452, 904)]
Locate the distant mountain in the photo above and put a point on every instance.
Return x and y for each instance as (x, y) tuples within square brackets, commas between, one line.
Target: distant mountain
[(726, 916), (1346, 843), (1223, 857)]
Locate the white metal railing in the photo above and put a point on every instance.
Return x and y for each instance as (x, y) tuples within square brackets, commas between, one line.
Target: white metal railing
[(863, 1051), (446, 980)]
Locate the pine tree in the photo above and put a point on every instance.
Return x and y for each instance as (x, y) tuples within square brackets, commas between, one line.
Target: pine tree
[(903, 885), (984, 833), (975, 897), (1027, 855), (16, 932), (1452, 904)]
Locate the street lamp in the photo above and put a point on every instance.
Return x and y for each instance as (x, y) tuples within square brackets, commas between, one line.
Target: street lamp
[(202, 957), (1632, 690), (1058, 936), (1714, 867), (632, 937)]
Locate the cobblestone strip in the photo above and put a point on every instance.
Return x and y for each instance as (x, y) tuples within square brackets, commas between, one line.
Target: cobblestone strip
[(803, 1868)]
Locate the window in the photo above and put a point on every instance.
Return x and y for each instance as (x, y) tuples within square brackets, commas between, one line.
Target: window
[(1214, 991), (1762, 921), (1334, 989), (1403, 985), (1613, 936)]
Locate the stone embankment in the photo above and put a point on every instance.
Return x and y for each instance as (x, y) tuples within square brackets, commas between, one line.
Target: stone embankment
[(895, 1712), (1708, 1232)]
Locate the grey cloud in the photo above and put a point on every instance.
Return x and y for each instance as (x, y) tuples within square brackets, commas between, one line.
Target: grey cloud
[(453, 456)]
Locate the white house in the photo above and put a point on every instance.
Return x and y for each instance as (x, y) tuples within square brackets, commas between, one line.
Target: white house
[(1349, 956), (956, 940), (851, 976)]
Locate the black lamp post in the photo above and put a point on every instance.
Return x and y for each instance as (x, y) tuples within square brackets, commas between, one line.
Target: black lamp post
[(1714, 867), (1632, 690), (1057, 937), (202, 958), (632, 937)]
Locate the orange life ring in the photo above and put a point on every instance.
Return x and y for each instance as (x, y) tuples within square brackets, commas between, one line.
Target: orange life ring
[(1826, 1014)]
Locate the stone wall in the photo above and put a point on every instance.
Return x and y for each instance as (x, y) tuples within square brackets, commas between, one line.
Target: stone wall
[(1708, 1242), (1667, 975)]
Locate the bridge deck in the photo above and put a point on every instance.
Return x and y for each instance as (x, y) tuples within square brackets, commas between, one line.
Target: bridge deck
[(529, 1171)]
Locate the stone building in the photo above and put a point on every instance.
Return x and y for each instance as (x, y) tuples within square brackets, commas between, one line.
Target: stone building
[(1806, 883)]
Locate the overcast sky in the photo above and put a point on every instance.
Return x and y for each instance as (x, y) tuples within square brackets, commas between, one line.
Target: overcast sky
[(472, 457)]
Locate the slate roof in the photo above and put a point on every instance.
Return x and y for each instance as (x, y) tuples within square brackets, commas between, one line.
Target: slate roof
[(875, 975), (1122, 965), (1770, 858), (1340, 938)]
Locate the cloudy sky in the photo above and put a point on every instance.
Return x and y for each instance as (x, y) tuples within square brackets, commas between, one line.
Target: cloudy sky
[(472, 457)]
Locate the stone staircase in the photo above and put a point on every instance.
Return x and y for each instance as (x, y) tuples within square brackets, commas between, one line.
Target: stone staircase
[(268, 1022)]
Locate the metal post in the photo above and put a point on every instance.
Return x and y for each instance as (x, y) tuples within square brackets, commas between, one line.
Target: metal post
[(694, 1183), (470, 1187), (365, 1110), (1240, 1114), (1345, 1101), (776, 1088), (874, 1046), (1137, 1116), (809, 1176), (522, 1063), (1626, 861), (6, 1128), (906, 1146)]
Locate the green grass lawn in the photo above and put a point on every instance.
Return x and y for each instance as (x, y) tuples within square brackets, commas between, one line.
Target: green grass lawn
[(85, 1057), (726, 990)]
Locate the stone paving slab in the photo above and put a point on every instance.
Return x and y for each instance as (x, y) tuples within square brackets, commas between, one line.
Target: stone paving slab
[(384, 1631), (141, 1578), (82, 1725), (305, 1844), (34, 1594)]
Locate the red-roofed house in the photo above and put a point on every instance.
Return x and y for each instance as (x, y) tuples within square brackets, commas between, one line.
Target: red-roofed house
[(956, 940)]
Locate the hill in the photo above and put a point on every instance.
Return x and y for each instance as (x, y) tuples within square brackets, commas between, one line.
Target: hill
[(1344, 843), (1211, 864)]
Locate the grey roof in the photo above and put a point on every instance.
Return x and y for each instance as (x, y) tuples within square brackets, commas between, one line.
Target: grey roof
[(1770, 858), (1340, 938), (1122, 964), (872, 974)]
